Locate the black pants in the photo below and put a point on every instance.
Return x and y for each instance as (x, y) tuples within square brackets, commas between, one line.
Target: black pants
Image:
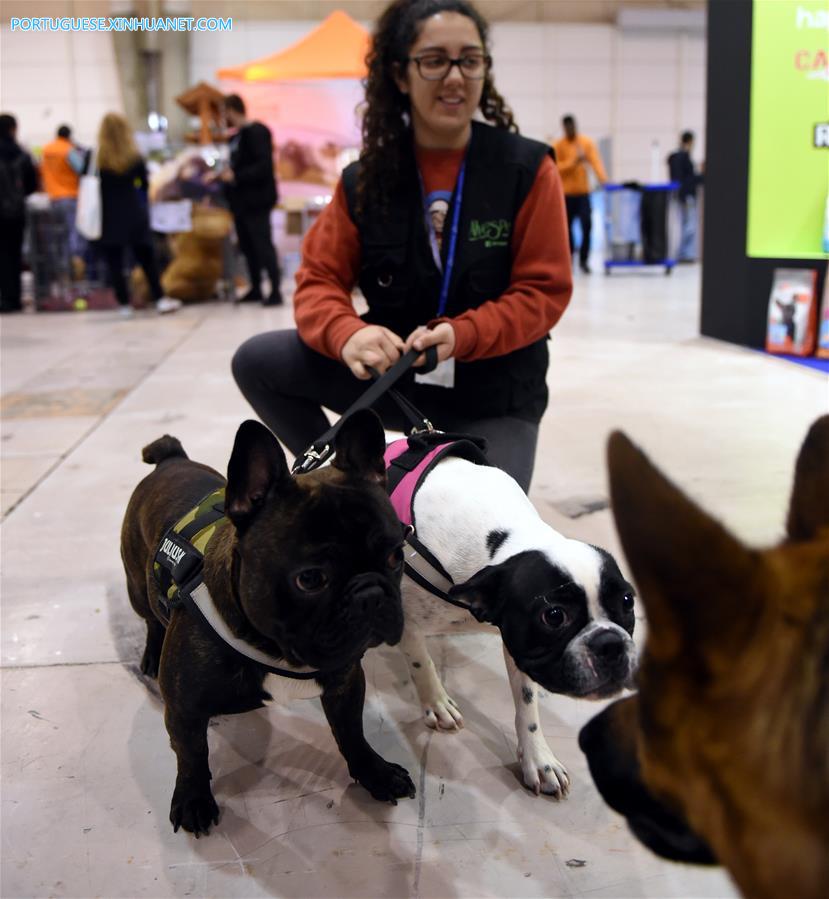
[(254, 232), (11, 263), (287, 383), (144, 256), (578, 207)]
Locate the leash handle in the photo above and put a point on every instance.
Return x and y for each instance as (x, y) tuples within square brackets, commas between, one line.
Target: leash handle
[(323, 448)]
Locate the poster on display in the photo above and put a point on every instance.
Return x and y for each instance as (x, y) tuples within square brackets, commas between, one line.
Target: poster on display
[(171, 217), (788, 182), (792, 315)]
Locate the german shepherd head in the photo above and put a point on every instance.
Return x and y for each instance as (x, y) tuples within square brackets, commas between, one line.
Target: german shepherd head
[(723, 755)]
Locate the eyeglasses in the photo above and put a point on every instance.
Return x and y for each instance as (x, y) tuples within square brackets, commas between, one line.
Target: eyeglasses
[(436, 66)]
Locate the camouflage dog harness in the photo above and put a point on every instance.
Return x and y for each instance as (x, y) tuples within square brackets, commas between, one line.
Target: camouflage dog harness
[(179, 560), (178, 568)]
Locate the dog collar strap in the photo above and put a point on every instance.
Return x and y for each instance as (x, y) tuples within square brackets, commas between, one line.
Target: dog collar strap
[(200, 599), (427, 572)]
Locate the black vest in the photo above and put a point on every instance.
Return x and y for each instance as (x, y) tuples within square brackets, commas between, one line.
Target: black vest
[(401, 282)]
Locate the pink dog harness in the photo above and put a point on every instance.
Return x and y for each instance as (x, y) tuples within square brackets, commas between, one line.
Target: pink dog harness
[(402, 495), (408, 462)]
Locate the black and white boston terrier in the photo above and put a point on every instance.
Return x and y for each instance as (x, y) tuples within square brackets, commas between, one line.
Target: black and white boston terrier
[(564, 610)]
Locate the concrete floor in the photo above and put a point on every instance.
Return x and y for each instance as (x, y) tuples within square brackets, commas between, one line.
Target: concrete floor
[(87, 771)]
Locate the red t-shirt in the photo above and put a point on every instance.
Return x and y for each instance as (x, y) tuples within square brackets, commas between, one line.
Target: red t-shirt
[(538, 294)]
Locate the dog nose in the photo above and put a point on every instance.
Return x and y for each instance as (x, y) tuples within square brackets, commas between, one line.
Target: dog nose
[(366, 594), (607, 645)]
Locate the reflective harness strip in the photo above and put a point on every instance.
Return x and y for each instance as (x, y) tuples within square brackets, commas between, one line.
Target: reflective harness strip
[(408, 461), (178, 568)]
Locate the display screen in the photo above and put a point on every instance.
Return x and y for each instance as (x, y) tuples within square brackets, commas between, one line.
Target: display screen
[(788, 180)]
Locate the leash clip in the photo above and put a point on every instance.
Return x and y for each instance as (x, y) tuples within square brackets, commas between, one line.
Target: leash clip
[(425, 427), (311, 459)]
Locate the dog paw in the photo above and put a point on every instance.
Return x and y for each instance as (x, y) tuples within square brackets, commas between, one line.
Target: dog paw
[(543, 772), (385, 781), (193, 811), (149, 662), (441, 712)]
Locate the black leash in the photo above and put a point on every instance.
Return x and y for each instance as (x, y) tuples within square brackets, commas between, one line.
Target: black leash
[(323, 448)]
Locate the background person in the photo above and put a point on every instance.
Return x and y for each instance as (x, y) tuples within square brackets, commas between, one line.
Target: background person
[(681, 169), (429, 71), (18, 179), (60, 166), (251, 189), (574, 152), (125, 216)]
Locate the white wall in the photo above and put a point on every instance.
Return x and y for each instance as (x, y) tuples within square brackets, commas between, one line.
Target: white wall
[(51, 78), (632, 87)]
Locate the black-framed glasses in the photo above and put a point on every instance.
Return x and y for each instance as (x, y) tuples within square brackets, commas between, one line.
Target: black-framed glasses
[(436, 66)]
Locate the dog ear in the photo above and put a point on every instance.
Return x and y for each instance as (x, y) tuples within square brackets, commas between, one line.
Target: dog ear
[(359, 447), (482, 594), (809, 508), (257, 466), (695, 579)]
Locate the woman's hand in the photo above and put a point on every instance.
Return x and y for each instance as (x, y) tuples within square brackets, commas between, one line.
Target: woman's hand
[(372, 345), (441, 336)]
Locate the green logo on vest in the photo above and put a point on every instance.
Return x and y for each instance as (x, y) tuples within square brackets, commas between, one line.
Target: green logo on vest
[(494, 233)]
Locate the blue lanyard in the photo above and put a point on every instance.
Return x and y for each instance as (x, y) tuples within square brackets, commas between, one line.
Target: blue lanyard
[(453, 238)]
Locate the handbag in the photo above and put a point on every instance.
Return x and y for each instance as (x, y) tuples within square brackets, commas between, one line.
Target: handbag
[(88, 215)]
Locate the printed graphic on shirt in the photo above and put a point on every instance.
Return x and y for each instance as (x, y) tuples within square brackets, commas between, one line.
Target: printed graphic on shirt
[(494, 233), (437, 206)]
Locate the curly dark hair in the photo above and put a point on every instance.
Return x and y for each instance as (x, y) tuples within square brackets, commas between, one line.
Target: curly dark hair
[(387, 140)]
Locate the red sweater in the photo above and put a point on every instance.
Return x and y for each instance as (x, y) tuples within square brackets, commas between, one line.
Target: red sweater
[(538, 294)]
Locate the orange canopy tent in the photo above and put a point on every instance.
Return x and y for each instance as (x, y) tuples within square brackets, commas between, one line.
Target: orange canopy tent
[(335, 49)]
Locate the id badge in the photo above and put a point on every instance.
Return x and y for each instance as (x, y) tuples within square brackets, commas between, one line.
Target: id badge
[(443, 375)]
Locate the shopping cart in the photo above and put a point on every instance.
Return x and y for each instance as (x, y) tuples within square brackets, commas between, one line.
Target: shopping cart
[(55, 286), (47, 251), (637, 225)]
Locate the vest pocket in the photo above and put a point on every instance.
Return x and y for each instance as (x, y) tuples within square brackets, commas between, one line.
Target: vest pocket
[(484, 284), (385, 279)]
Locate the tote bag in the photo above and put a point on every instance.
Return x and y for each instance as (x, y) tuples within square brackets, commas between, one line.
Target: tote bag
[(88, 215)]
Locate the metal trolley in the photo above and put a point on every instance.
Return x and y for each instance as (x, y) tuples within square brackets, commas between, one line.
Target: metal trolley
[(55, 284), (637, 225), (47, 252)]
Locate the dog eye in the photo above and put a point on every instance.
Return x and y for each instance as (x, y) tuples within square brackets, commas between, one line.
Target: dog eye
[(395, 558), (554, 617), (312, 580), (627, 602)]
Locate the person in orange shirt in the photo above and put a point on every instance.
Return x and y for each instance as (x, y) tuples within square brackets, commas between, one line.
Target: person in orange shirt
[(455, 231), (574, 152), (60, 166)]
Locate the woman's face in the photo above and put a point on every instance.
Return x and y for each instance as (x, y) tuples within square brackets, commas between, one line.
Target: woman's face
[(442, 110)]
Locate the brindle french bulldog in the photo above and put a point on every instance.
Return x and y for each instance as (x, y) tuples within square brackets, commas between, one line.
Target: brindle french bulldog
[(304, 570)]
